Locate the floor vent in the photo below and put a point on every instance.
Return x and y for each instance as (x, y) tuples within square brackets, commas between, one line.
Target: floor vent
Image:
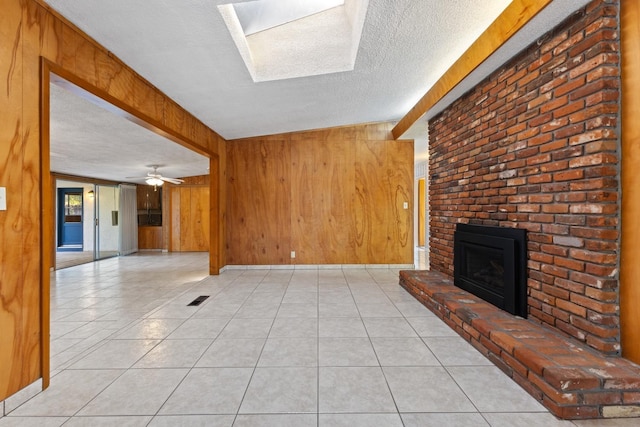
[(198, 300)]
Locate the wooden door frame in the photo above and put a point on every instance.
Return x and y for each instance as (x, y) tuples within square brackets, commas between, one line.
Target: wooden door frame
[(53, 73)]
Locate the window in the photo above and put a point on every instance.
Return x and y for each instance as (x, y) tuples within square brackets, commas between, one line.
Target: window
[(73, 207)]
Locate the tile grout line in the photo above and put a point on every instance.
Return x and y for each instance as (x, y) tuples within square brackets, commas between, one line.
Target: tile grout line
[(380, 280), (384, 375), (189, 370), (244, 394)]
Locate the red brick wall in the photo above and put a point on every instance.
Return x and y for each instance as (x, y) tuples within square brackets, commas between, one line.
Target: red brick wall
[(536, 146)]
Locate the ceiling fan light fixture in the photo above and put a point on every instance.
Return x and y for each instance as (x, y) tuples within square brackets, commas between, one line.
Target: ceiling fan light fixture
[(154, 181)]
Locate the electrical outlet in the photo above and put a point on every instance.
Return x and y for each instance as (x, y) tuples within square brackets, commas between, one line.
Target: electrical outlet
[(3, 198), (293, 254)]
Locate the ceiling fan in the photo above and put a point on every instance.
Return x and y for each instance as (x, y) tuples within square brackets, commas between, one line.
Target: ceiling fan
[(156, 179)]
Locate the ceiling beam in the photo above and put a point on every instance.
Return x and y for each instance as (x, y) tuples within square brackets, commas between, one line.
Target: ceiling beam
[(510, 21)]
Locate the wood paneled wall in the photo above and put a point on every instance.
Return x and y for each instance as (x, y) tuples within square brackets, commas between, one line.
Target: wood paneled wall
[(629, 266), (150, 237), (189, 218), (29, 32), (20, 357), (334, 196), (189, 215)]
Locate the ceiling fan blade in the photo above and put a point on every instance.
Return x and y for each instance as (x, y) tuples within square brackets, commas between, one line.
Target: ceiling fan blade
[(172, 180), (156, 175)]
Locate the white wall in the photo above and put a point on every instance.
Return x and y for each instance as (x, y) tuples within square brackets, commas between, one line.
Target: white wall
[(108, 202)]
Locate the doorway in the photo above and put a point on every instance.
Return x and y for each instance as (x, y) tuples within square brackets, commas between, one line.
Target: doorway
[(51, 153), (70, 220), (88, 221)]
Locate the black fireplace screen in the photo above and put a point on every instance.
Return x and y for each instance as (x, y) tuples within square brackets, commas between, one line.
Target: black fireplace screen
[(490, 262), (485, 265)]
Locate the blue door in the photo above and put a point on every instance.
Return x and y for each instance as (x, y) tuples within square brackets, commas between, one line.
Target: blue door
[(70, 219)]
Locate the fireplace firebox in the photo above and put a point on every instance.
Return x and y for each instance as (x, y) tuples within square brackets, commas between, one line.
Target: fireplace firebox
[(491, 263)]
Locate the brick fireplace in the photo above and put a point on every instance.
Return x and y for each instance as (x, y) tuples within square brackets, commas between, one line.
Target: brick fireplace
[(536, 146)]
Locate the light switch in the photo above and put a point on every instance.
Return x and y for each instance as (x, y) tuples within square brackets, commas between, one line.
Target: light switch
[(3, 198), (406, 205)]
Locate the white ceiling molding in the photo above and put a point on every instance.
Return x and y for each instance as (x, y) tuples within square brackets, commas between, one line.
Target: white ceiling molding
[(277, 43)]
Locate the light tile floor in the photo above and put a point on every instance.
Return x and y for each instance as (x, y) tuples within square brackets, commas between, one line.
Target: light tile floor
[(323, 347)]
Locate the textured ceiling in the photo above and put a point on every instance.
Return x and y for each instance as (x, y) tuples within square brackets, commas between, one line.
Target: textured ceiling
[(87, 140), (185, 49)]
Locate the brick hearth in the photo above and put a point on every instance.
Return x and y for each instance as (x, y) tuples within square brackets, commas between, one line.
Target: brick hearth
[(569, 378)]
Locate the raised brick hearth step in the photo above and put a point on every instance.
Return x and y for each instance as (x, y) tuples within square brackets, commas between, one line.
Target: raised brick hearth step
[(570, 379)]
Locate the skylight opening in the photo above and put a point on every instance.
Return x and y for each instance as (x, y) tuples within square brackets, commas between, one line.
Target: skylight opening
[(260, 15), (284, 39)]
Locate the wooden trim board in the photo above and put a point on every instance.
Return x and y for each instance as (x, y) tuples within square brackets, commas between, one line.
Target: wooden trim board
[(510, 21), (629, 266)]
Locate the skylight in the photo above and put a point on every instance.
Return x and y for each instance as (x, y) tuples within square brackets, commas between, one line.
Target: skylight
[(260, 15), (284, 39)]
